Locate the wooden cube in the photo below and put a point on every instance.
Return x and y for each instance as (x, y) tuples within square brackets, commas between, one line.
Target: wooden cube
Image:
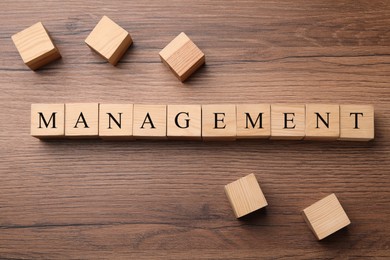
[(182, 56), (356, 122), (245, 195), (116, 121), (253, 121), (322, 122), (326, 217), (35, 46), (109, 40), (287, 122), (219, 122), (184, 122), (150, 122), (48, 120), (82, 120)]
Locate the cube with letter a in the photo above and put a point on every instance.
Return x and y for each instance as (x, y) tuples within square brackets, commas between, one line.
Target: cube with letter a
[(82, 120), (356, 122), (150, 121)]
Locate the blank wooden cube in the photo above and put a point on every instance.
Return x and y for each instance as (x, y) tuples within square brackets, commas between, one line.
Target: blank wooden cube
[(182, 56), (356, 122), (326, 217), (184, 122), (35, 46), (82, 120), (109, 40), (253, 121), (116, 121), (287, 122), (245, 195), (219, 122), (322, 122), (48, 120), (150, 122)]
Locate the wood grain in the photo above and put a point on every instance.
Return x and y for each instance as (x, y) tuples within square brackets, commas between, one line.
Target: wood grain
[(245, 195), (326, 216), (182, 56), (35, 46), (109, 40), (143, 200)]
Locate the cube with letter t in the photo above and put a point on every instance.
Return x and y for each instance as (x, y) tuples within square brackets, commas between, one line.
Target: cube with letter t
[(356, 122)]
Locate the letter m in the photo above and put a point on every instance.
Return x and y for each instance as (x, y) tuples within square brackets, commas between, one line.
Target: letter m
[(47, 123)]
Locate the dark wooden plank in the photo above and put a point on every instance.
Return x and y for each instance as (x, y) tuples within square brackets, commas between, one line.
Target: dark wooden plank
[(93, 199)]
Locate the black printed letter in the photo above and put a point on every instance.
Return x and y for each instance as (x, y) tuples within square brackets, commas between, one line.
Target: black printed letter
[(258, 119), (187, 120), (356, 119), (82, 121), (110, 116), (219, 120), (148, 120), (42, 118), (288, 120), (326, 123)]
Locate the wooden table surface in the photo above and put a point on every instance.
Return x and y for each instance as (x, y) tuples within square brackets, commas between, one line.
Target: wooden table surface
[(132, 200)]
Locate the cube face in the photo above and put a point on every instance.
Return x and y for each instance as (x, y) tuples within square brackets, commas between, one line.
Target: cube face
[(182, 56), (184, 122), (326, 217), (356, 122), (253, 121), (35, 46), (48, 120), (245, 195), (116, 121), (219, 122), (287, 122), (322, 122), (109, 40), (82, 120), (150, 122)]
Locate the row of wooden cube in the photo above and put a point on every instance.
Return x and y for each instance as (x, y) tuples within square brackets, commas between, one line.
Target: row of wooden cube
[(110, 41), (207, 122), (324, 217)]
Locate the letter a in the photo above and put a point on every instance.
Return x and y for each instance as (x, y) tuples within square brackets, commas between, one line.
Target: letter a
[(148, 120), (81, 116)]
